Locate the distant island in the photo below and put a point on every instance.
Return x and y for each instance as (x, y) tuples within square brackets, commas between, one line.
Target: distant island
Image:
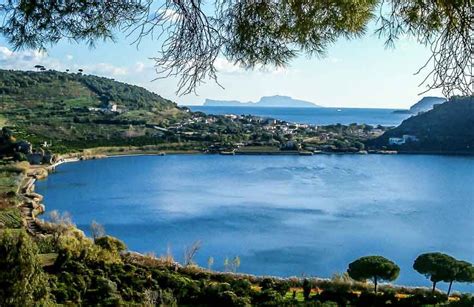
[(266, 101), (425, 104)]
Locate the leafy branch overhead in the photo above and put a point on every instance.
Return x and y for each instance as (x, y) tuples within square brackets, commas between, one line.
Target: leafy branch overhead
[(191, 34)]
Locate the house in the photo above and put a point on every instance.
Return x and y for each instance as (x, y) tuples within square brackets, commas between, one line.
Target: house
[(410, 138), (112, 107), (396, 141), (406, 138)]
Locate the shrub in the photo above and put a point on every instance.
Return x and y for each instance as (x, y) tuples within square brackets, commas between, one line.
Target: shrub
[(268, 297), (342, 298), (22, 280), (111, 244)]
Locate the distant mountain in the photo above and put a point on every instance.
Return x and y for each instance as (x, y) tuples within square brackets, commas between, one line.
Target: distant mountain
[(447, 128), (425, 104), (267, 101)]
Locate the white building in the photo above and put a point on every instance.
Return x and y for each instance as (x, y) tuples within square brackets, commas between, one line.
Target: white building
[(404, 139), (396, 141)]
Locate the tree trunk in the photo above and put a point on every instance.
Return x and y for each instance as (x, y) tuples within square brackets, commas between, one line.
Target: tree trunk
[(375, 283), (449, 289), (434, 287)]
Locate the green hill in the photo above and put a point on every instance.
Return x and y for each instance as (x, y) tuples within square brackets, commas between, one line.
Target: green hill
[(79, 111), (448, 128)]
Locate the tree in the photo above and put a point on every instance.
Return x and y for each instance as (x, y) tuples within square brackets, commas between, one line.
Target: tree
[(464, 272), (235, 264), (374, 267), (210, 262), (190, 253), (306, 289), (191, 34), (22, 280), (59, 224), (436, 266), (97, 230)]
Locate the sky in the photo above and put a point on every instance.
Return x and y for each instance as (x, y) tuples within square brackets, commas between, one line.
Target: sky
[(358, 73)]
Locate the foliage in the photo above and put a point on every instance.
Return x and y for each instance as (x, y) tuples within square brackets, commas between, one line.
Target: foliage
[(436, 266), (21, 277), (58, 225), (464, 273), (375, 267), (111, 244), (88, 273), (10, 218)]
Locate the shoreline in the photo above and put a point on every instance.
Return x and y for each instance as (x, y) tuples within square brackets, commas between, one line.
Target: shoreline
[(33, 174)]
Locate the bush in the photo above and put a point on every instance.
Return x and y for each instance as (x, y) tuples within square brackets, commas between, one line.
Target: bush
[(241, 287), (464, 300), (22, 280), (419, 299), (111, 244), (342, 298), (268, 297)]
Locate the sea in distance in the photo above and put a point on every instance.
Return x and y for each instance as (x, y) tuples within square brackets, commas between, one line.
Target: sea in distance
[(315, 116), (282, 215)]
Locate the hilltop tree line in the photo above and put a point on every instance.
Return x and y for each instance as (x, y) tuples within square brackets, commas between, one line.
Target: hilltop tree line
[(135, 97)]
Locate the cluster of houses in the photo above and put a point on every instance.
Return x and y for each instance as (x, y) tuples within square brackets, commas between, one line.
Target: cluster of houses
[(35, 156)]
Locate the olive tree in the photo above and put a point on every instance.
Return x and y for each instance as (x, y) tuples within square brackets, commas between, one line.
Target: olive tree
[(191, 34), (376, 268), (437, 267)]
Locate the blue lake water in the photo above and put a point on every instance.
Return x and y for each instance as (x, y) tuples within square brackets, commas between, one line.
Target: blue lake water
[(315, 116), (283, 215)]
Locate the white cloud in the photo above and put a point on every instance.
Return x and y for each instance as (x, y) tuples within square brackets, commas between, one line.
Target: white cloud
[(69, 57), (168, 15), (5, 52), (104, 69), (24, 60), (224, 66), (140, 67)]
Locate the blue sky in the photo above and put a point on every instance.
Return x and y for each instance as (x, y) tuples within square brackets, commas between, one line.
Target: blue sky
[(356, 73)]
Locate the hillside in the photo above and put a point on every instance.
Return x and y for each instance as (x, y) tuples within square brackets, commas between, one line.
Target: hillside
[(79, 110), (448, 128), (425, 104), (265, 102)]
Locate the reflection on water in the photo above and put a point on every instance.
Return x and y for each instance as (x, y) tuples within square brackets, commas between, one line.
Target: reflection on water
[(283, 215)]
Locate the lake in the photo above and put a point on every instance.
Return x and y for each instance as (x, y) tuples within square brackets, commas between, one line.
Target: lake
[(315, 116), (283, 215)]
